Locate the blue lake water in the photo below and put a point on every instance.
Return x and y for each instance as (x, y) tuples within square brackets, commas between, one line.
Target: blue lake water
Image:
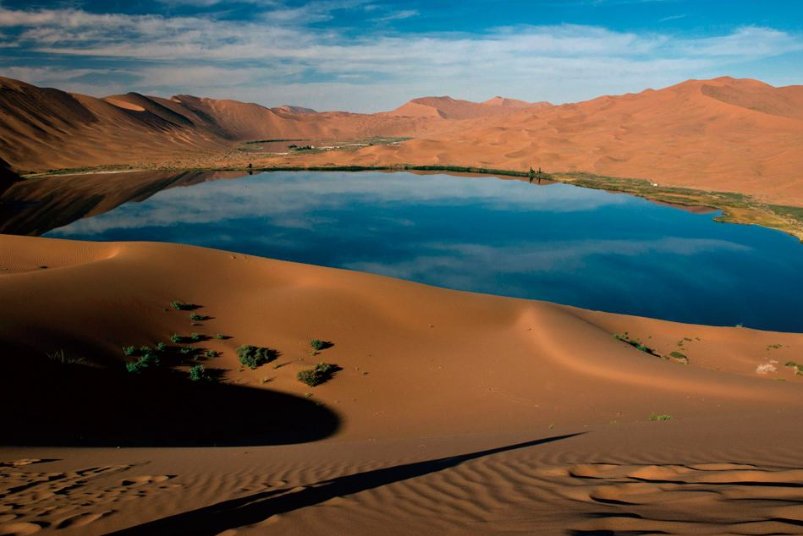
[(556, 242)]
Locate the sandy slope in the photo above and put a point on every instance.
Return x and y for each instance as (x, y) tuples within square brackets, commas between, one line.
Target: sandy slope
[(722, 134), (44, 129), (428, 374), (449, 108)]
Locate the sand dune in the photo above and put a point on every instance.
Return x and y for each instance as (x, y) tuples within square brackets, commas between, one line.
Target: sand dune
[(47, 129), (452, 412), (449, 108), (723, 134)]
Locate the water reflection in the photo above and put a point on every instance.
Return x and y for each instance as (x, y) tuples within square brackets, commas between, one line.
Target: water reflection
[(561, 243)]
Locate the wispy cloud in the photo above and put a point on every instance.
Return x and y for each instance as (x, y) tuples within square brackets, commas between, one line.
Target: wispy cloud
[(399, 15), (283, 53)]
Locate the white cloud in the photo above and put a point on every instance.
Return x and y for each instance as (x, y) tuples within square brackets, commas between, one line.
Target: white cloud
[(399, 15), (278, 55)]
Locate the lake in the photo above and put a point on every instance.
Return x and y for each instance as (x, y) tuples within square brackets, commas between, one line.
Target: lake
[(556, 242)]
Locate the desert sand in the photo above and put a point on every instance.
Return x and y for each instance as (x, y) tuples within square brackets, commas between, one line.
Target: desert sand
[(725, 134), (453, 413)]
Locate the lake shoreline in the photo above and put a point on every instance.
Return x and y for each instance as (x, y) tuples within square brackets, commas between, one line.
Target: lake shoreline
[(736, 208)]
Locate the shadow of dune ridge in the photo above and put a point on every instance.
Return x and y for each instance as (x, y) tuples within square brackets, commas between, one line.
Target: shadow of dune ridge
[(255, 508), (7, 177), (90, 406)]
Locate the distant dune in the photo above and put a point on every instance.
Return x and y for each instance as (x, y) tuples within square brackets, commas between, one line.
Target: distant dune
[(449, 108), (723, 134), (47, 129)]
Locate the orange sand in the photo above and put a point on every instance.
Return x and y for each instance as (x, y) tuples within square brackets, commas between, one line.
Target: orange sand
[(724, 134), (395, 442), (454, 413)]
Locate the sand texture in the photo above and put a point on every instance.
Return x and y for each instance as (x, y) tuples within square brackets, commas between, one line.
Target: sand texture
[(454, 413)]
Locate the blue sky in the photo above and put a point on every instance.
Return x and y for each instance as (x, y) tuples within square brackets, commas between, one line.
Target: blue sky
[(371, 55)]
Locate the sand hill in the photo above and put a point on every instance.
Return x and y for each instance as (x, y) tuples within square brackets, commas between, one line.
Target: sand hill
[(449, 108), (722, 134), (453, 412), (47, 128)]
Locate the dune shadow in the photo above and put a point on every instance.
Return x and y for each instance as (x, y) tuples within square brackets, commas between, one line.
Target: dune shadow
[(57, 405), (257, 507)]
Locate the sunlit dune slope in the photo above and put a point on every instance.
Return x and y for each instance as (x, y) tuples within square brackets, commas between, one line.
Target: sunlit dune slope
[(724, 134), (460, 362)]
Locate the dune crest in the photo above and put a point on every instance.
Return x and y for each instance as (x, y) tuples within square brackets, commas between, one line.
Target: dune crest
[(723, 134), (452, 411)]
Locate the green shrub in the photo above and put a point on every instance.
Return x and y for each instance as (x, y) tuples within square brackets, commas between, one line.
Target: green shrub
[(161, 347), (186, 350), (195, 317), (681, 357), (178, 339), (198, 374), (798, 367), (659, 417), (181, 306), (129, 351), (255, 356), (149, 360), (211, 353), (319, 345), (145, 362), (322, 372), (635, 343)]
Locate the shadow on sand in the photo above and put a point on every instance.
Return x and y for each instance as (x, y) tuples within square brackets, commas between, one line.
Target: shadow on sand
[(260, 506), (56, 405)]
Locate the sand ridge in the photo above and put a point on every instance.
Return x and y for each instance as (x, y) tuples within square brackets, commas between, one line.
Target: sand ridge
[(725, 134), (452, 412)]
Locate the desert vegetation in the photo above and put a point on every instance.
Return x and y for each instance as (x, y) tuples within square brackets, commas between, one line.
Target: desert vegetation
[(321, 373), (255, 356)]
